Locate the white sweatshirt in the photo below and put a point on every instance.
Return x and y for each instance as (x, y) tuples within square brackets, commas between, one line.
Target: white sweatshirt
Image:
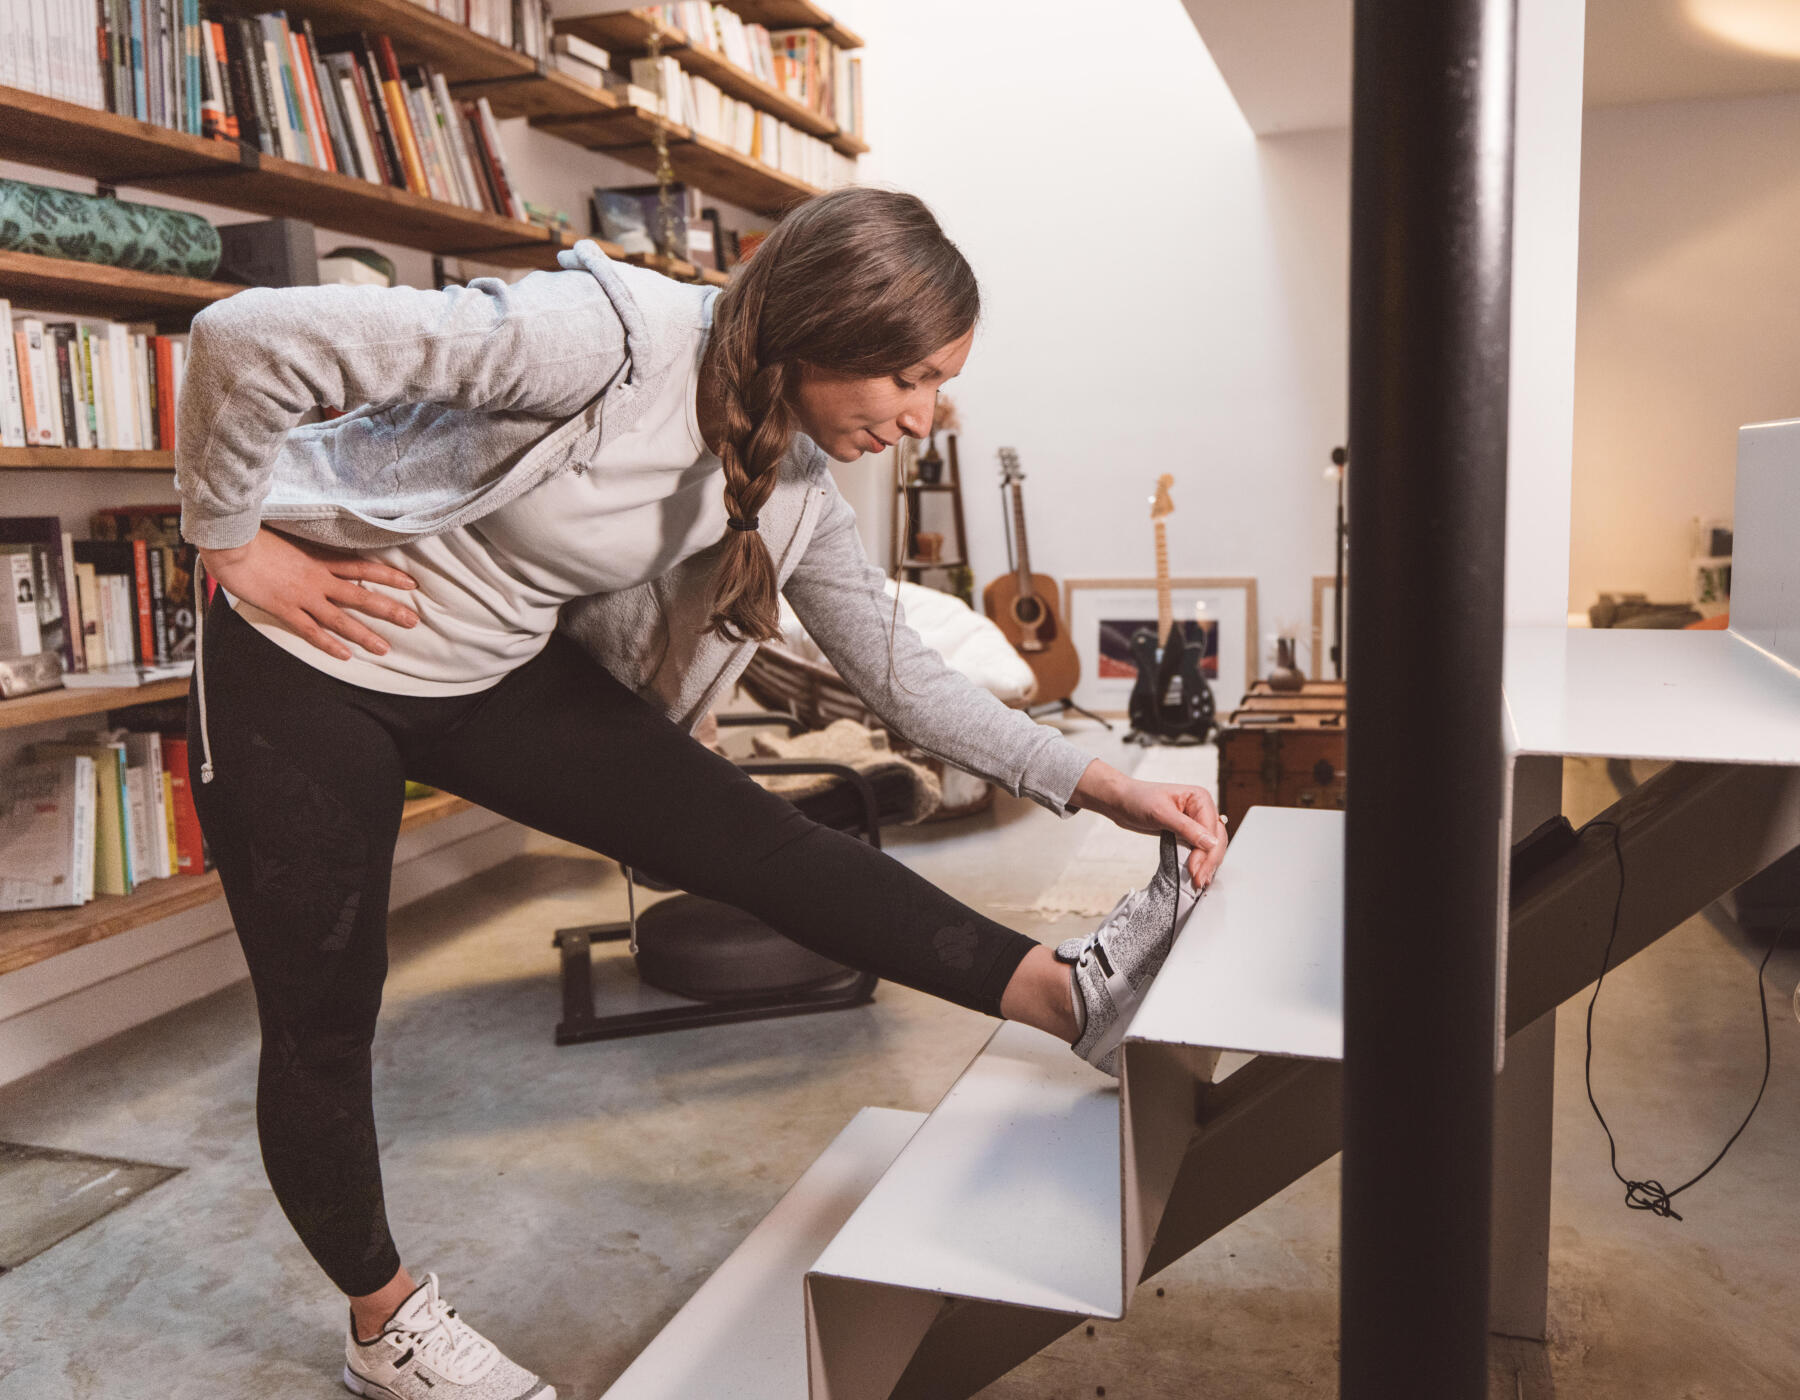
[(489, 593)]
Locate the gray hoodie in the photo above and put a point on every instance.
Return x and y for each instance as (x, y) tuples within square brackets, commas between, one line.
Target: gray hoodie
[(463, 399)]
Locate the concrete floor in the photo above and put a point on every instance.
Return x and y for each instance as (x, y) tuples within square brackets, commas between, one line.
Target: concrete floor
[(572, 1199)]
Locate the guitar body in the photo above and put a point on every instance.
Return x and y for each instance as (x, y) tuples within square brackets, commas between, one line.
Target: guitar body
[(1145, 707), (1030, 621), (1171, 703)]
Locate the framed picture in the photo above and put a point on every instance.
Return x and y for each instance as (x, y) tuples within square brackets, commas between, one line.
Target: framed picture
[(1324, 600), (1103, 613)]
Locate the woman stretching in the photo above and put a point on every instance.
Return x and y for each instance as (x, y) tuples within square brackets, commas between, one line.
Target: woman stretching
[(539, 547)]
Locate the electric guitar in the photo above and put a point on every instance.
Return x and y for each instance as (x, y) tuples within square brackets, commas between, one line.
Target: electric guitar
[(1171, 701), (1023, 604)]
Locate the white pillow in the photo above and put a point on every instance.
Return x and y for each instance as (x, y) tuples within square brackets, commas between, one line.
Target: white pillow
[(967, 641)]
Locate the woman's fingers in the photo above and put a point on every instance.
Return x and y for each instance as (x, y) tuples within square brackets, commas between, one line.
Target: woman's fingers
[(347, 594), (337, 620), (371, 571), (303, 624)]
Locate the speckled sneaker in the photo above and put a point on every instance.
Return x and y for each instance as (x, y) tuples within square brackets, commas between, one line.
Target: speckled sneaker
[(1112, 967), (425, 1349)]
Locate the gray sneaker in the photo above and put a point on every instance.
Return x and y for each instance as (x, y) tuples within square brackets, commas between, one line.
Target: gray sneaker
[(1112, 967), (425, 1349)]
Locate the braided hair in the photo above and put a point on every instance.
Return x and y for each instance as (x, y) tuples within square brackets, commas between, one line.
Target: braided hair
[(858, 282)]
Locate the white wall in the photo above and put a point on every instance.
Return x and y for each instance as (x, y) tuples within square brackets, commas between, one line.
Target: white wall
[(1689, 324), (1162, 292)]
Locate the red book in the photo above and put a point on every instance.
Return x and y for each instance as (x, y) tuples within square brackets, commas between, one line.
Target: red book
[(190, 847), (140, 572), (164, 349)]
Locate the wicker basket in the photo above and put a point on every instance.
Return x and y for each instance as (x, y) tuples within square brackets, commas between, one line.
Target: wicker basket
[(813, 693)]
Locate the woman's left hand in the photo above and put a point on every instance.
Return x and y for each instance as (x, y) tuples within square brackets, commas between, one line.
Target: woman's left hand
[(1153, 808)]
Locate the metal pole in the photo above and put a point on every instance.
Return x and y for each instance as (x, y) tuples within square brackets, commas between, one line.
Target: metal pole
[(1430, 279)]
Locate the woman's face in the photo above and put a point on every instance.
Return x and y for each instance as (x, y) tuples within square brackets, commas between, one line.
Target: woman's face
[(848, 415)]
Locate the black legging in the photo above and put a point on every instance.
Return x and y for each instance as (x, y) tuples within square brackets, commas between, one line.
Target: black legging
[(303, 811)]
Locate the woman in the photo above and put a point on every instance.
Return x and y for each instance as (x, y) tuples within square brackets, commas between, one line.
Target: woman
[(538, 549)]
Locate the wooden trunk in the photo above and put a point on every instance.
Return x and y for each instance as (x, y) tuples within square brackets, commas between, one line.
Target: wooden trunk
[(1283, 750)]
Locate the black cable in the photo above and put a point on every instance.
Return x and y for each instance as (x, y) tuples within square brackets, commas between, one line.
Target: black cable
[(1650, 1194)]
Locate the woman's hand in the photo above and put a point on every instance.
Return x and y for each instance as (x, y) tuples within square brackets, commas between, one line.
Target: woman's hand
[(1153, 808), (309, 587)]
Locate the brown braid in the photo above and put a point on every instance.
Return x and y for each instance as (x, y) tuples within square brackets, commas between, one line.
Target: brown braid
[(859, 281)]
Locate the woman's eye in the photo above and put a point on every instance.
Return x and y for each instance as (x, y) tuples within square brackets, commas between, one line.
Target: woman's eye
[(904, 385)]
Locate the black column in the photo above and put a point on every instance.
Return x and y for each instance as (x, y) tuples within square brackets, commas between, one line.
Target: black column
[(1430, 287)]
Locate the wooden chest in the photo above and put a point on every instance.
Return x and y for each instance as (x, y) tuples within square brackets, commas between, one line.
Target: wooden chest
[(1283, 750)]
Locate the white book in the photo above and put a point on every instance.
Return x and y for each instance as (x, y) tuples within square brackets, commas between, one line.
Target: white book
[(118, 618), (359, 130), (136, 823), (12, 406), (581, 50), (120, 397), (177, 368), (140, 388), (575, 9), (9, 73), (19, 635), (84, 434), (286, 137), (457, 140), (577, 68), (44, 435), (144, 750), (490, 130), (48, 810)]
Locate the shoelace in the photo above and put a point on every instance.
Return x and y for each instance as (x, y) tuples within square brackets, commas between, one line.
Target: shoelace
[(1127, 905), (453, 1348)]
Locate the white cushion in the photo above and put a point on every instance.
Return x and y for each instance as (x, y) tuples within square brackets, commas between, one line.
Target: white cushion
[(967, 641)]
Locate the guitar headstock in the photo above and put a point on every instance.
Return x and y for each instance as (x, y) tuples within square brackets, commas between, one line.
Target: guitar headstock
[(1161, 503), (1009, 466)]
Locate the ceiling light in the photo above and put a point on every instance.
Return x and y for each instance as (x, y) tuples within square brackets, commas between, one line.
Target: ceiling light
[(1763, 26)]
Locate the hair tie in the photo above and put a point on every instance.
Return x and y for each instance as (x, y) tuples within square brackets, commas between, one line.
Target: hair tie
[(737, 523)]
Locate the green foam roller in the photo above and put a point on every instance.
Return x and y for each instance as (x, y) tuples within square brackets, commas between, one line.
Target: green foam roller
[(90, 228)]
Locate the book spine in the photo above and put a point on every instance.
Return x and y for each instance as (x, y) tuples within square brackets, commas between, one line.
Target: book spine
[(368, 166), (31, 368), (145, 636), (188, 848), (87, 383), (142, 398), (368, 75), (212, 100), (283, 115), (165, 393), (168, 813), (12, 406), (57, 346), (325, 94), (73, 620), (456, 138), (241, 77), (318, 133), (514, 205), (159, 627), (87, 590), (87, 802), (395, 93)]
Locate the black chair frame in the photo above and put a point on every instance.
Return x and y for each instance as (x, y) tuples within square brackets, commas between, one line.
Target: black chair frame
[(580, 1023)]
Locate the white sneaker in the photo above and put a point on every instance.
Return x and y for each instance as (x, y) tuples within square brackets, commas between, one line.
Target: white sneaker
[(425, 1349), (1112, 968)]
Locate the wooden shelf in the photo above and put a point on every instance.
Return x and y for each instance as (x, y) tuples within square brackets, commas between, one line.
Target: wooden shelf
[(33, 935), (932, 563), (630, 31), (49, 705), (66, 459), (94, 289), (796, 14), (678, 269), (626, 133), (118, 150)]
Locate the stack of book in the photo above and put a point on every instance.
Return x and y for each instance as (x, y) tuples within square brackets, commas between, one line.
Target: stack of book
[(114, 610), (344, 104), (96, 814), (800, 63), (88, 383), (698, 103)]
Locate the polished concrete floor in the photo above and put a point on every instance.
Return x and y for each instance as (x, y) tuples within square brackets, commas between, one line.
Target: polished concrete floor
[(572, 1199)]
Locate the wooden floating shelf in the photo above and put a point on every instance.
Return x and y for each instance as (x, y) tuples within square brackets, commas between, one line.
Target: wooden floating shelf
[(678, 269), (49, 705), (796, 14), (94, 289), (630, 32), (118, 150), (66, 459), (626, 133), (32, 935)]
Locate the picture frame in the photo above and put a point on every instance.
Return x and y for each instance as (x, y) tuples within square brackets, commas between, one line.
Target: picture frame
[(1101, 613), (1324, 599)]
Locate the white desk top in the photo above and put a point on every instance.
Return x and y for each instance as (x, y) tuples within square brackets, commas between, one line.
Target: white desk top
[(1706, 697)]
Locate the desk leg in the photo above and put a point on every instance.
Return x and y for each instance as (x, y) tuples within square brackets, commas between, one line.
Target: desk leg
[(1519, 1271)]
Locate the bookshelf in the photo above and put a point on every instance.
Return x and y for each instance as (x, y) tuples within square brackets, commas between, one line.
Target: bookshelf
[(32, 935), (119, 150), (94, 289), (796, 14), (628, 32), (63, 459), (49, 705)]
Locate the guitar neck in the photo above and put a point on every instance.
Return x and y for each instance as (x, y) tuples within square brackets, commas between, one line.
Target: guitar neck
[(1165, 606), (1018, 509)]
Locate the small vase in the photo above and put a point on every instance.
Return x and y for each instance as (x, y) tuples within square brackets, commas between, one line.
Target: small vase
[(930, 466), (1286, 678)]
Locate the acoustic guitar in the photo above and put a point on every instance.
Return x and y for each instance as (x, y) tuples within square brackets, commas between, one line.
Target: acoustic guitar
[(1171, 702), (1023, 604)]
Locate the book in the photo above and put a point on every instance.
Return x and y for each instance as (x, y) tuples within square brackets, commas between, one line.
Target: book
[(42, 537), (191, 854), (394, 91), (19, 635), (12, 409), (112, 860), (159, 526), (48, 827)]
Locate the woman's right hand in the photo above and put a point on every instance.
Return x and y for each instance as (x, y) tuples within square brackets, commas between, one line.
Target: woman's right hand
[(310, 587)]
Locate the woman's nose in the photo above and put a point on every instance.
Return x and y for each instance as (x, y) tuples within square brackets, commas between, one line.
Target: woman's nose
[(915, 418)]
